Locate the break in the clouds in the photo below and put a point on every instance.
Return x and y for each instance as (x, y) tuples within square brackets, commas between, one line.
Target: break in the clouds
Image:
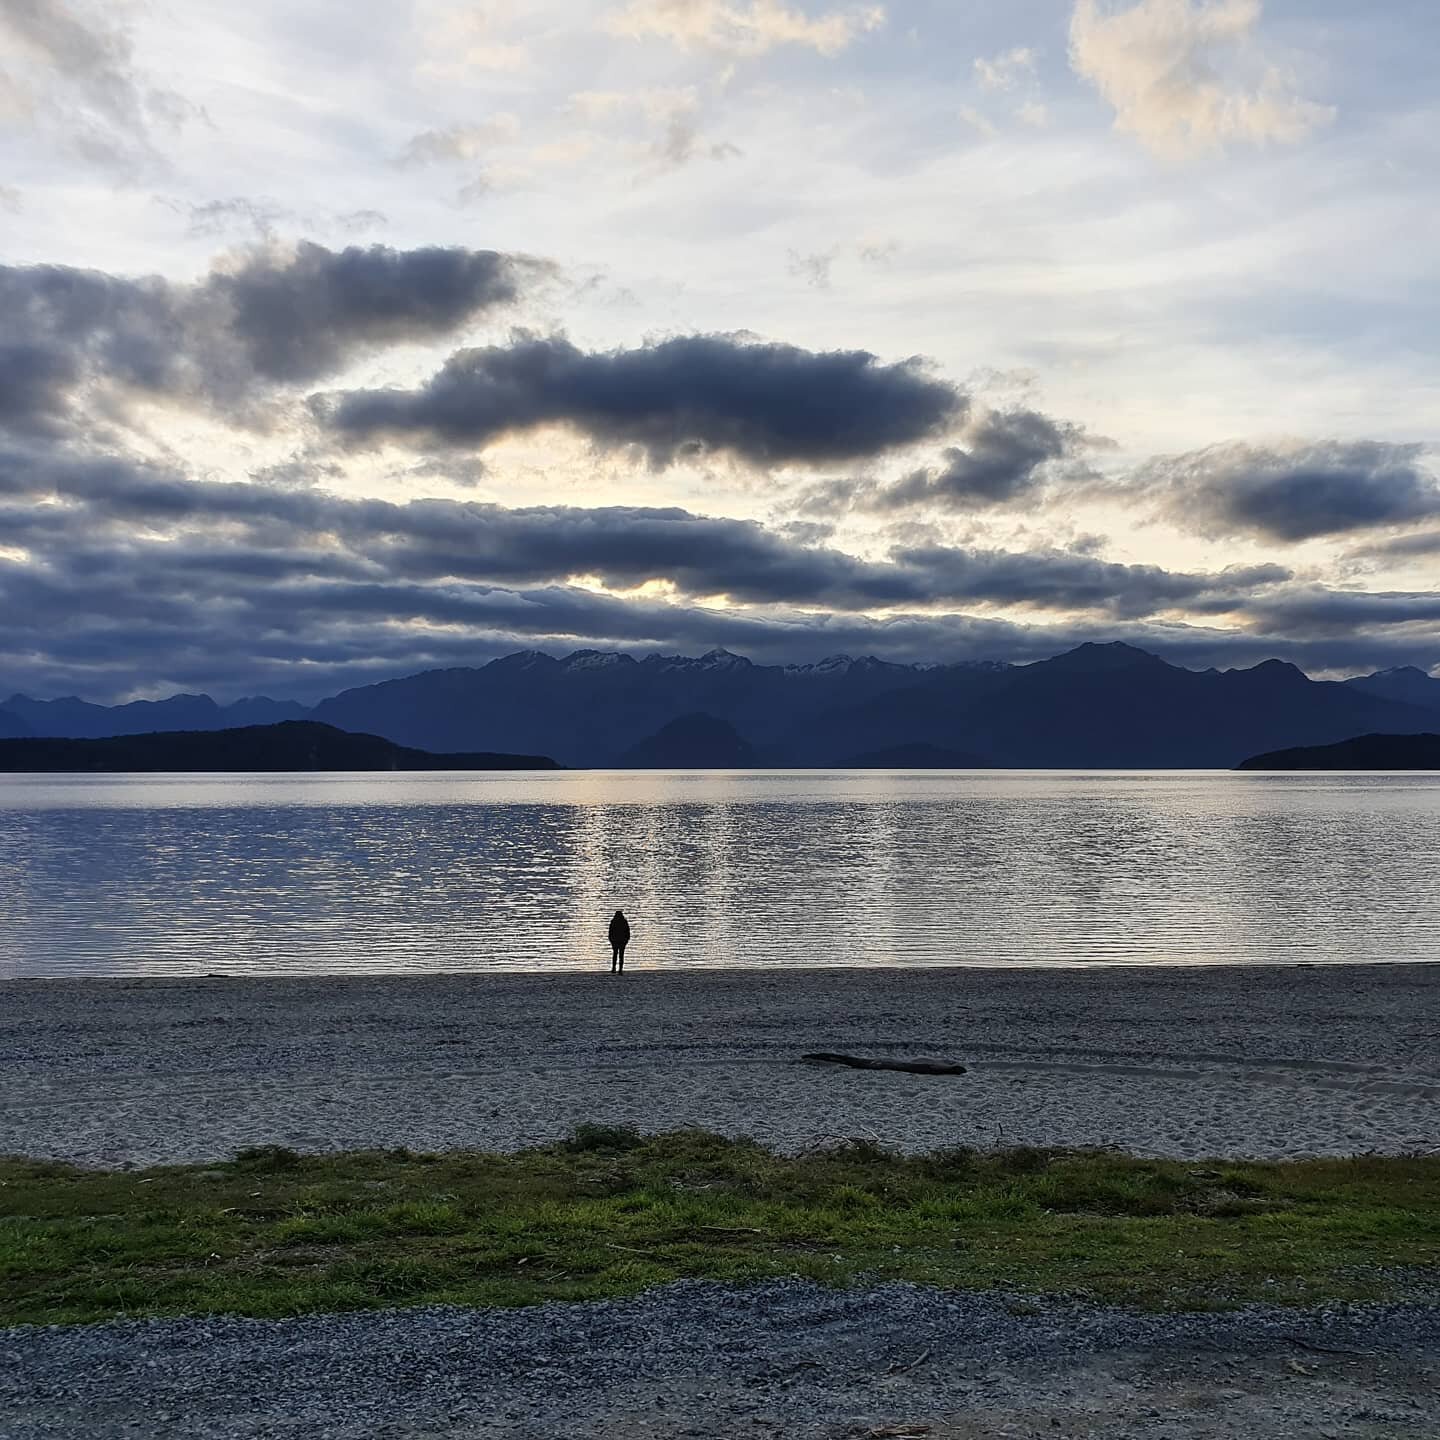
[(1190, 75), (1293, 492), (765, 403)]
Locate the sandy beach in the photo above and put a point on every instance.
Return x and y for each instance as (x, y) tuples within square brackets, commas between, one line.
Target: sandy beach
[(1186, 1062)]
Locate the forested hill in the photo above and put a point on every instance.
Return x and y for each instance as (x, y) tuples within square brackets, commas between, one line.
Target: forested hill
[(1364, 752), (290, 745)]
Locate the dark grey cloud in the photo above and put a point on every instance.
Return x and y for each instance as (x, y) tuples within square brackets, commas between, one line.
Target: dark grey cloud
[(34, 383), (279, 317), (291, 631), (1004, 458), (1320, 610), (766, 403), (1000, 463), (1399, 548), (300, 319), (1067, 580), (1291, 494)]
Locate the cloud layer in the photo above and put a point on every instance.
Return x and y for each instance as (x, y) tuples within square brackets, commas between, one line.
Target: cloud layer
[(124, 570)]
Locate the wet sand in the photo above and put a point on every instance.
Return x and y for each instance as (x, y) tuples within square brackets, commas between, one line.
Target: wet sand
[(1263, 1061)]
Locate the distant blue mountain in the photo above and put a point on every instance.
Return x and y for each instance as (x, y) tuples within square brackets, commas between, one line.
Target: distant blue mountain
[(1100, 706), (74, 719), (591, 707), (12, 727), (1096, 706), (1113, 706), (1407, 683)]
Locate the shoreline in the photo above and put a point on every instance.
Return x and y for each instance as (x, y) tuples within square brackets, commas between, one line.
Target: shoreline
[(694, 972), (1269, 1061)]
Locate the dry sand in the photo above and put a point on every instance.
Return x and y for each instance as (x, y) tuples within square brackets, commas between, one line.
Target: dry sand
[(1265, 1061)]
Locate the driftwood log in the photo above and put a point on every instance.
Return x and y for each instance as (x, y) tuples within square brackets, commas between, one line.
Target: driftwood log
[(864, 1062)]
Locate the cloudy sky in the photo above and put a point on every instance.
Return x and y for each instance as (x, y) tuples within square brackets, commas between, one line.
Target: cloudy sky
[(341, 339)]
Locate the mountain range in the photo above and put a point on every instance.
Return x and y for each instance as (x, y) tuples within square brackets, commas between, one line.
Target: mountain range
[(1097, 706), (75, 719)]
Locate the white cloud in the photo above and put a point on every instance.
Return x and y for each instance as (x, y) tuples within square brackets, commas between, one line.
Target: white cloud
[(674, 112), (879, 252), (656, 103), (1186, 76), (458, 142), (743, 29), (1003, 71), (971, 116), (69, 69), (814, 269), (471, 37)]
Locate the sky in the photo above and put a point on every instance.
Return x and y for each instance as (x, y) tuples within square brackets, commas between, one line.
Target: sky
[(343, 339)]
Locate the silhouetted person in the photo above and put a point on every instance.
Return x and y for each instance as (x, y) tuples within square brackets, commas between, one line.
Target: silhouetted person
[(619, 939)]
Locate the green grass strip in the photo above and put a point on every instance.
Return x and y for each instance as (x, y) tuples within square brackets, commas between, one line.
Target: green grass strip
[(609, 1213)]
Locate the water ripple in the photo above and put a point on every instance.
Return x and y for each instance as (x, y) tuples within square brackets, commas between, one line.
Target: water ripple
[(186, 875)]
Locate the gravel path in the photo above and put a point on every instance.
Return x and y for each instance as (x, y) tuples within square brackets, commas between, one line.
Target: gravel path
[(1267, 1061), (694, 1359)]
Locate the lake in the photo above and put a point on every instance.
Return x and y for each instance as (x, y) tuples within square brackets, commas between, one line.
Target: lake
[(131, 875)]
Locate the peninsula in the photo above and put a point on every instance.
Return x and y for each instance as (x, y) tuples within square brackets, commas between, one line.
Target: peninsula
[(1364, 752), (289, 745)]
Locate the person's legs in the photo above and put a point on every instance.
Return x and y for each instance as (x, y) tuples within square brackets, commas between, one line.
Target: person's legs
[(614, 958), (622, 957)]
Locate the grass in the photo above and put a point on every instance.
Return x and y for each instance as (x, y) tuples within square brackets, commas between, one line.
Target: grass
[(608, 1212)]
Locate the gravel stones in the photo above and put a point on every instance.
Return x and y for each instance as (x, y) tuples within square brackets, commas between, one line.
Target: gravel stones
[(702, 1359)]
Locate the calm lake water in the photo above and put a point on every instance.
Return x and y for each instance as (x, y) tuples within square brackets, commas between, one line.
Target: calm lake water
[(188, 875)]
